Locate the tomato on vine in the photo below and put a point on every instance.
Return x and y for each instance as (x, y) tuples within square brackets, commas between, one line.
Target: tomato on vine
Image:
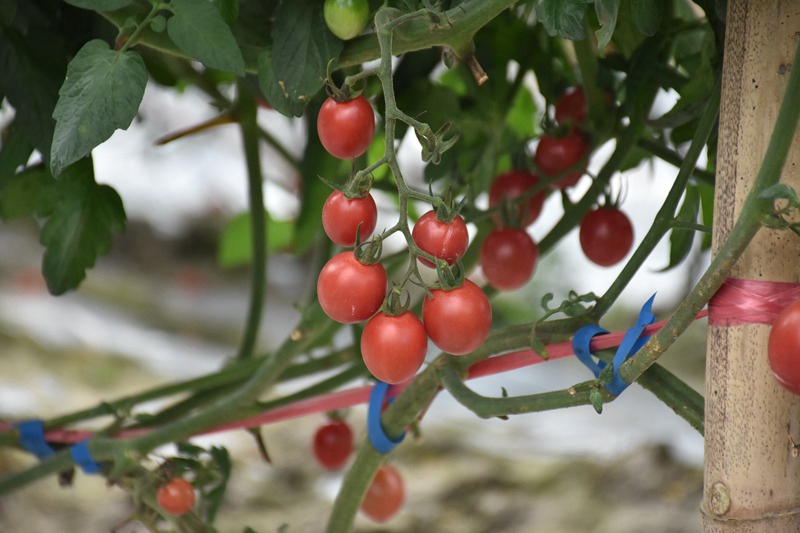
[(385, 495), (571, 106), (346, 18), (606, 236), (445, 240), (783, 348), (508, 258), (457, 320), (555, 155), (333, 444), (346, 128), (394, 347), (512, 184), (176, 496), (341, 217), (350, 291)]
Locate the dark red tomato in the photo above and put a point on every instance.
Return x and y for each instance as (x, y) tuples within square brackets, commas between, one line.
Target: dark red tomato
[(513, 184), (176, 496), (445, 240), (508, 258), (458, 320), (554, 155), (394, 347), (385, 495), (350, 291), (341, 217), (783, 348), (333, 444), (571, 106), (346, 128), (606, 236)]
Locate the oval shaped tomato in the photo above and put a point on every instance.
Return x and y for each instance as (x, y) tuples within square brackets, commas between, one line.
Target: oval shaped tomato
[(511, 185), (783, 348), (571, 106), (346, 18), (385, 495), (394, 347), (606, 236), (346, 128), (350, 291), (176, 496), (554, 155), (458, 320), (508, 258), (341, 217), (333, 444), (445, 240)]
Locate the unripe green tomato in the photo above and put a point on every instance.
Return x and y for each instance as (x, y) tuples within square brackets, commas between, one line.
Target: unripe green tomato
[(346, 18)]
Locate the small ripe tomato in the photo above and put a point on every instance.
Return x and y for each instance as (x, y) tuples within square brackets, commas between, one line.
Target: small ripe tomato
[(346, 18), (508, 258), (333, 444), (176, 496), (783, 348), (554, 155), (606, 236), (394, 347), (571, 106), (350, 291), (458, 320), (513, 184), (445, 240), (346, 128), (341, 217), (385, 495)]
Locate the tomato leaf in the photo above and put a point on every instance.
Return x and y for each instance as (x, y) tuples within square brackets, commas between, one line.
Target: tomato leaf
[(198, 28), (681, 239), (607, 16), (236, 245), (294, 70), (100, 5), (79, 228), (101, 94), (15, 151), (563, 17), (229, 9), (221, 464), (647, 15), (28, 193)]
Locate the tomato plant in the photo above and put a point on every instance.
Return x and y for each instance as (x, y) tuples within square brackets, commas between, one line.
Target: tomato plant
[(350, 291), (508, 258), (333, 444), (445, 240), (457, 320), (346, 128), (394, 347), (176, 496), (512, 184), (346, 18), (783, 348), (571, 106), (555, 155), (342, 216), (606, 236), (385, 495)]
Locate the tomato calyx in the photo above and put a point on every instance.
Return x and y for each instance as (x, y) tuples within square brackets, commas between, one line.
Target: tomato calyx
[(449, 209), (435, 144), (347, 91), (368, 253), (358, 187), (394, 306), (450, 276)]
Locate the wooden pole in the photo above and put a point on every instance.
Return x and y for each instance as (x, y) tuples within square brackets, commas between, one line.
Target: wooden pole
[(752, 467)]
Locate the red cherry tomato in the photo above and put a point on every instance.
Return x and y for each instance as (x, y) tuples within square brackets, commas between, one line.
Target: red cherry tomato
[(333, 444), (571, 106), (513, 184), (554, 155), (346, 128), (176, 496), (445, 240), (508, 258), (341, 217), (458, 320), (606, 236), (350, 291), (394, 347), (385, 495), (783, 348)]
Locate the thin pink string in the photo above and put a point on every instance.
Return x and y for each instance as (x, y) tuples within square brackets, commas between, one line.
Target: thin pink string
[(749, 301)]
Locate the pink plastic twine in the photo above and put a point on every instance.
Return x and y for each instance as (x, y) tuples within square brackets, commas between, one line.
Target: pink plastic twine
[(749, 301)]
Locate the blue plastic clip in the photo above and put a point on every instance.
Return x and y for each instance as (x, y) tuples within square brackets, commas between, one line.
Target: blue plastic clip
[(83, 458), (31, 437), (377, 436)]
